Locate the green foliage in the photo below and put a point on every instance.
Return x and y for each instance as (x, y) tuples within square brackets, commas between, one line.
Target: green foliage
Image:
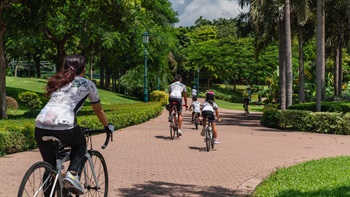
[(18, 135), (325, 106), (161, 96), (30, 99), (269, 117), (301, 120)]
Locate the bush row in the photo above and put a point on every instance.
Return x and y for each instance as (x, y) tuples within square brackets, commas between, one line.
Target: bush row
[(18, 135), (301, 120), (325, 107)]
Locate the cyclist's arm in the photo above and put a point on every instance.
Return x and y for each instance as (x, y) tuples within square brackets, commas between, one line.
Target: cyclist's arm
[(217, 114), (97, 107), (185, 98)]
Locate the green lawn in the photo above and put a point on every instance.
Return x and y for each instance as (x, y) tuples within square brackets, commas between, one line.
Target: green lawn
[(14, 85), (318, 178), (238, 106)]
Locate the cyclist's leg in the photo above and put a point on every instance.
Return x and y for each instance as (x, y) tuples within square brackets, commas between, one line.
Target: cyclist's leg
[(179, 111), (75, 139), (171, 108), (45, 148), (211, 118)]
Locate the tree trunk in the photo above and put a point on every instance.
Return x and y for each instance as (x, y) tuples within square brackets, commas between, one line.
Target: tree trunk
[(282, 66), (3, 105), (340, 75), (102, 72), (37, 66), (336, 70), (289, 69), (60, 55), (320, 54), (301, 96), (108, 79)]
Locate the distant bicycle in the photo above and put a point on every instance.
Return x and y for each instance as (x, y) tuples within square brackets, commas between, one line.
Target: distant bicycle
[(42, 179), (245, 106), (196, 120)]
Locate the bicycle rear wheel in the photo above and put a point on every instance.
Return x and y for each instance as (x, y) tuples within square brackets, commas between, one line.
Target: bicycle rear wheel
[(196, 122), (87, 178), (173, 127), (207, 139), (38, 181)]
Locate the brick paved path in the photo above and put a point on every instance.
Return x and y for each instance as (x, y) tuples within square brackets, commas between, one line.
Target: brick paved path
[(142, 161)]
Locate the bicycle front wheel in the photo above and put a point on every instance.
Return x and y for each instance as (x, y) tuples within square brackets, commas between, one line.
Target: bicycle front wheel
[(92, 186), (38, 181)]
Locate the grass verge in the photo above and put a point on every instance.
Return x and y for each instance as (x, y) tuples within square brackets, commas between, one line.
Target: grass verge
[(318, 178)]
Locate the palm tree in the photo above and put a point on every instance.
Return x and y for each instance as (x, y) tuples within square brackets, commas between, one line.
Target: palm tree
[(320, 62), (288, 40)]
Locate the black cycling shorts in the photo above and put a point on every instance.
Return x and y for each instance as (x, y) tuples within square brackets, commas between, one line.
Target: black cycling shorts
[(178, 105), (209, 115)]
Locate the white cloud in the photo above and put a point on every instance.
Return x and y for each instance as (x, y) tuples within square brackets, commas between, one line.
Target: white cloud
[(190, 10)]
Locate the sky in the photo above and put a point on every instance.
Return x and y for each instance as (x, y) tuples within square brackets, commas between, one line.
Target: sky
[(190, 10)]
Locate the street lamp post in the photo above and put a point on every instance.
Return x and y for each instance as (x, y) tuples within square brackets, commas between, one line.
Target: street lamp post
[(145, 37)]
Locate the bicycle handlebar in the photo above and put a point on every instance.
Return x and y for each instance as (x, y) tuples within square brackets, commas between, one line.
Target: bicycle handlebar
[(109, 134)]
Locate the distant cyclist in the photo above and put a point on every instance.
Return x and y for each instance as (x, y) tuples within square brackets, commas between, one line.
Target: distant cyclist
[(176, 91), (196, 106), (247, 94), (208, 108), (194, 92)]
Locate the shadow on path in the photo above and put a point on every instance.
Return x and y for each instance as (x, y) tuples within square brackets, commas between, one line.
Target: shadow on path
[(160, 188)]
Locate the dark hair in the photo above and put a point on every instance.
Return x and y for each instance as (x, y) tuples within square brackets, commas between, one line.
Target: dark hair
[(210, 96), (73, 65), (178, 77), (194, 98)]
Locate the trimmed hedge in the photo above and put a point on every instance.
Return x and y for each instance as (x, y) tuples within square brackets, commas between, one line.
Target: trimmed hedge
[(318, 122), (18, 135), (325, 107)]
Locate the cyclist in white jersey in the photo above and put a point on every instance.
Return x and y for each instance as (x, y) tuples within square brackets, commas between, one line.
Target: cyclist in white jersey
[(176, 91), (68, 91), (196, 106), (208, 108)]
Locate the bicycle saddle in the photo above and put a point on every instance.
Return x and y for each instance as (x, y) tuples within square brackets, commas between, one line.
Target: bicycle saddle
[(50, 138)]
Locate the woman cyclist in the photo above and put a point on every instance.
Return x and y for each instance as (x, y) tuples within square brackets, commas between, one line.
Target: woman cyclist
[(68, 91), (208, 108)]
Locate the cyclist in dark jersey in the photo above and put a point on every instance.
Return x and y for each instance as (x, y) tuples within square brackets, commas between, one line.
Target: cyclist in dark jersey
[(176, 91), (68, 91)]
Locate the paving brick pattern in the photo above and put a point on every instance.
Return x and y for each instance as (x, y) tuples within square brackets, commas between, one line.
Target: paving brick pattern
[(143, 161)]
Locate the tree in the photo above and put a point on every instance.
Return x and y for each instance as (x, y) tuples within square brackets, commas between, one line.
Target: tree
[(320, 65), (3, 6)]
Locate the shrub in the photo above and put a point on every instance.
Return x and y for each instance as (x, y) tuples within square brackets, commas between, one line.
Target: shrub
[(325, 107), (292, 119), (161, 96), (30, 99), (269, 117), (11, 103)]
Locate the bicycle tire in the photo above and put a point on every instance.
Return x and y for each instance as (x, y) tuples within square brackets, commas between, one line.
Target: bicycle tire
[(207, 139), (196, 121), (87, 178), (32, 182), (173, 131), (212, 139)]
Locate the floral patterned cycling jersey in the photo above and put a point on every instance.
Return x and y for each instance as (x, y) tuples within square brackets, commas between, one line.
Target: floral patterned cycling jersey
[(176, 89), (60, 112)]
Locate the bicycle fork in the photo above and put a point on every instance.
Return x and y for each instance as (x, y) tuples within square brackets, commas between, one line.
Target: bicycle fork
[(87, 155)]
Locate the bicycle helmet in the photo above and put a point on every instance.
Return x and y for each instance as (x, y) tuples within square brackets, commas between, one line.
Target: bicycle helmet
[(210, 96), (194, 87), (248, 87)]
